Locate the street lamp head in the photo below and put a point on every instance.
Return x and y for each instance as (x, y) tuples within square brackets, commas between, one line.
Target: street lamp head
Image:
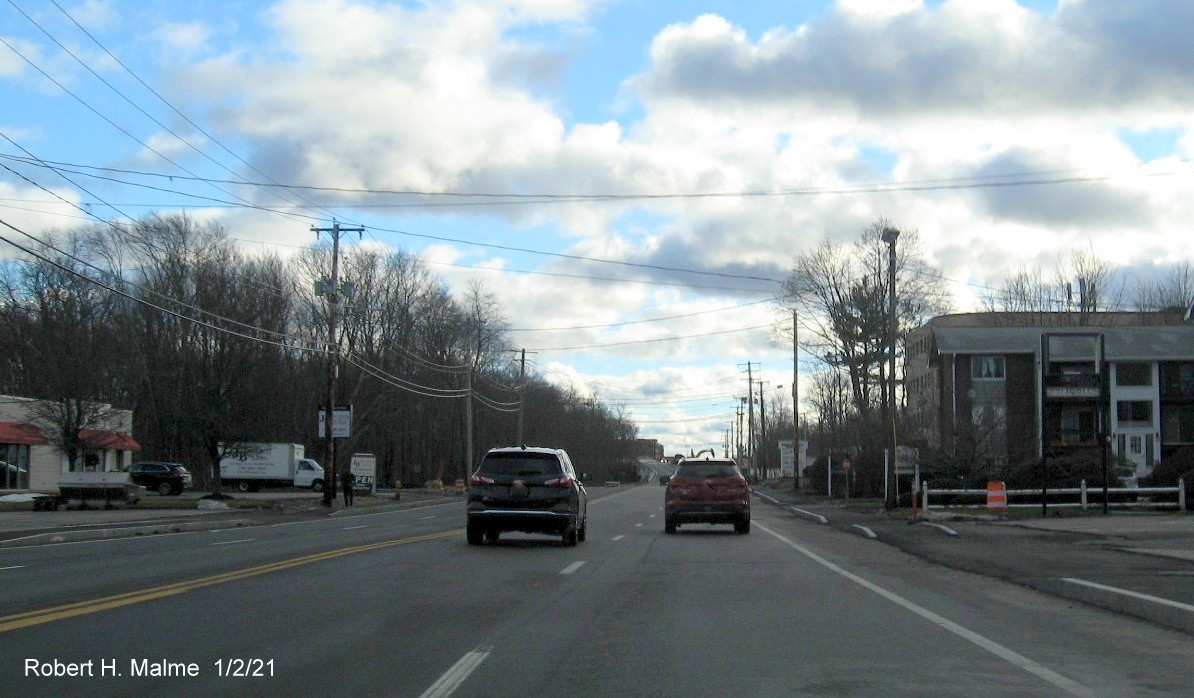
[(889, 235)]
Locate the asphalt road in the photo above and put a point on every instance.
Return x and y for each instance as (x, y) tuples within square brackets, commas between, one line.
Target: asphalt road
[(396, 603)]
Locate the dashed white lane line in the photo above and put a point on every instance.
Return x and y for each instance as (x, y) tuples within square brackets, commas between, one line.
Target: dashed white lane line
[(1133, 594), (353, 528), (573, 567), (638, 525), (619, 537), (1019, 660), (234, 542), (452, 678), (13, 567)]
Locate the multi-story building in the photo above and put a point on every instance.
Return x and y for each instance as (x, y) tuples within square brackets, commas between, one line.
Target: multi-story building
[(1006, 387), (31, 461)]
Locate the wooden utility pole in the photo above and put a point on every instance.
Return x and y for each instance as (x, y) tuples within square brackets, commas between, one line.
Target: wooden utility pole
[(332, 290), (796, 450)]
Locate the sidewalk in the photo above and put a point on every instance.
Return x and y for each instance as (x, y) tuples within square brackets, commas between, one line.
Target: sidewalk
[(23, 526), (1161, 534)]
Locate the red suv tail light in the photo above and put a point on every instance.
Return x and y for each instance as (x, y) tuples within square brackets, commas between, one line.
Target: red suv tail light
[(480, 480), (562, 481)]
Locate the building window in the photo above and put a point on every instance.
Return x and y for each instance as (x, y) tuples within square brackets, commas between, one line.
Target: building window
[(1177, 425), (986, 367), (1134, 413), (14, 467), (1177, 379), (1133, 375)]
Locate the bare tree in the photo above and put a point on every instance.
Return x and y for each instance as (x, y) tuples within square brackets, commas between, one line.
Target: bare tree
[(1175, 290), (840, 293)]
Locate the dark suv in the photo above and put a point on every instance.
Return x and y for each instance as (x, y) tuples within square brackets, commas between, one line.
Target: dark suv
[(707, 491), (163, 478), (532, 490)]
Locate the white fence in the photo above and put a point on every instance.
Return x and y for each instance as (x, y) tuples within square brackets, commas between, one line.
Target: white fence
[(1083, 501)]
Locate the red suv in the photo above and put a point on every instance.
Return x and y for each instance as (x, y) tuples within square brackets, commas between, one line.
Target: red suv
[(707, 491)]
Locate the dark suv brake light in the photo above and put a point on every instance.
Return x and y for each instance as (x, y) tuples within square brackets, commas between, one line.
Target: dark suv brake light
[(562, 481), (480, 480)]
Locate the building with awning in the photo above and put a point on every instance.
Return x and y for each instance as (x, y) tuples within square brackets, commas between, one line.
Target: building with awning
[(32, 460)]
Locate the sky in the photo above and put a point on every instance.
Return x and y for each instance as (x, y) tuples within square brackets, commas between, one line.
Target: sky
[(631, 180)]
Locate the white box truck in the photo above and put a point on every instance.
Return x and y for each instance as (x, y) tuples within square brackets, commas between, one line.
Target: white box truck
[(249, 466)]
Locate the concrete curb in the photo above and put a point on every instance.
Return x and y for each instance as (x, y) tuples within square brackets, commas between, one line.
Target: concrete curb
[(793, 509), (112, 533)]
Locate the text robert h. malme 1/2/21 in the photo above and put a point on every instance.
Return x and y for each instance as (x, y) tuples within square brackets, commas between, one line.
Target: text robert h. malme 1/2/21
[(154, 668)]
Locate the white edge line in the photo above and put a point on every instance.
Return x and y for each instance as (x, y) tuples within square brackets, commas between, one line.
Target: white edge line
[(353, 528), (1128, 592), (13, 567), (573, 567), (866, 531), (452, 678), (1019, 660), (232, 542)]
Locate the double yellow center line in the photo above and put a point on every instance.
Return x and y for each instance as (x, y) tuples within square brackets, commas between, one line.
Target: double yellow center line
[(81, 608)]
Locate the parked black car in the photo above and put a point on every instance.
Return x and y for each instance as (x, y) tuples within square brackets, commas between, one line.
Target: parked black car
[(163, 478), (532, 490)]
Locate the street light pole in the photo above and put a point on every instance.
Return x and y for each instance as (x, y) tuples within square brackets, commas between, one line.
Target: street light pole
[(889, 236)]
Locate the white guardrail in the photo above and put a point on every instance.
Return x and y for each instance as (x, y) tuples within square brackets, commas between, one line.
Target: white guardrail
[(1083, 502)]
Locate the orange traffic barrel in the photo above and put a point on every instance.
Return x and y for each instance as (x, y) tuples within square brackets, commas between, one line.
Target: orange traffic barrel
[(996, 497)]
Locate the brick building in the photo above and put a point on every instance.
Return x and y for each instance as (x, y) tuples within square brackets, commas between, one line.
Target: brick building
[(1002, 387)]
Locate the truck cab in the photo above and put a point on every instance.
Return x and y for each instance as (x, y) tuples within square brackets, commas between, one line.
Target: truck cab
[(308, 473)]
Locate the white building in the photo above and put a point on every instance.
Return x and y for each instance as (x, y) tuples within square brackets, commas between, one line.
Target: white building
[(33, 462)]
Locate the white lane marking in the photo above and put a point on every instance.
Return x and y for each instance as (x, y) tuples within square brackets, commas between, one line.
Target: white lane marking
[(651, 516), (353, 528), (1133, 594), (866, 531), (947, 529), (14, 567), (638, 525), (233, 542), (424, 518), (1065, 684), (452, 678), (619, 537), (573, 567)]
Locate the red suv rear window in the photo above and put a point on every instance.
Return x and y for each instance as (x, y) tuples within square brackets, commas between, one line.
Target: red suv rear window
[(707, 470)]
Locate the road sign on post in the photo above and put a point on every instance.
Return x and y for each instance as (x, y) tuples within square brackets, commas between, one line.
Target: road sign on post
[(341, 422)]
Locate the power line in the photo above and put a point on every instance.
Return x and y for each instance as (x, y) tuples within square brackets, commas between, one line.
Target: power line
[(652, 341)]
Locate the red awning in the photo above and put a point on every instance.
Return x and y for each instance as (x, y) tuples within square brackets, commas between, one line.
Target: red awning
[(18, 433), (117, 440)]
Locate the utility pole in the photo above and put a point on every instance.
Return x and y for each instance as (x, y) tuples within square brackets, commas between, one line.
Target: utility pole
[(522, 396), (750, 415), (889, 236), (468, 415), (762, 454), (738, 451), (796, 450), (332, 291)]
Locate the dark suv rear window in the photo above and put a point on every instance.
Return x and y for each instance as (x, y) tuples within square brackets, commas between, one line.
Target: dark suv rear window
[(706, 470), (520, 464)]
